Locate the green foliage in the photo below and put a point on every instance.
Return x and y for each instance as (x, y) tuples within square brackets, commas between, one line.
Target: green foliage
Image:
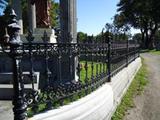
[(117, 33), (138, 37), (157, 36), (136, 88), (120, 22), (96, 69), (141, 15), (133, 12), (82, 36), (54, 12)]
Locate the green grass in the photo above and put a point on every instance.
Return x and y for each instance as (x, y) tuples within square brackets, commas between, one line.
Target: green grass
[(96, 70), (155, 52), (136, 88)]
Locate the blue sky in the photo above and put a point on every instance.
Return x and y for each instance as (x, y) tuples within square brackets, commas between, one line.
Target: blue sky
[(94, 14)]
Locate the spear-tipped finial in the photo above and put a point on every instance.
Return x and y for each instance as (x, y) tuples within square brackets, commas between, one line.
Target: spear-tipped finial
[(45, 37), (30, 37)]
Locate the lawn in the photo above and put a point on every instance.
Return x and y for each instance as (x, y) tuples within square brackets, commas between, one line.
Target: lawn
[(91, 72), (154, 52)]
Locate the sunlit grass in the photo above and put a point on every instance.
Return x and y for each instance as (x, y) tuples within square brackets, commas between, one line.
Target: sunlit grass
[(97, 68), (136, 88), (155, 52)]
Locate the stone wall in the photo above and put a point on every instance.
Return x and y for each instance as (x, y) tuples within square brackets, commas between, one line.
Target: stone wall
[(100, 104)]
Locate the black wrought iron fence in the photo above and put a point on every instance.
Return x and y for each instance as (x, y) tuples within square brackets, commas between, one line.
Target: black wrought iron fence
[(66, 71)]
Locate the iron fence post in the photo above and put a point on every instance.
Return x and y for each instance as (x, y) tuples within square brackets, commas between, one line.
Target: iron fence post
[(127, 54), (135, 49), (109, 58), (19, 103), (20, 106), (48, 73), (138, 51)]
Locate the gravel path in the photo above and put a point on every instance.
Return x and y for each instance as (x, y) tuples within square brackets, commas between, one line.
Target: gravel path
[(147, 106)]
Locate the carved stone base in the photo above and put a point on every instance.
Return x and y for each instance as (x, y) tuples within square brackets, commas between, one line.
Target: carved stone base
[(38, 34)]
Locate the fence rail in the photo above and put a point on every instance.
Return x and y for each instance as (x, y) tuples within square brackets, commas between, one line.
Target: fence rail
[(68, 71)]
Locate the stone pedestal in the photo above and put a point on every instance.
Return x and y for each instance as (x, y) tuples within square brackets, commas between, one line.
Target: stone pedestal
[(38, 34)]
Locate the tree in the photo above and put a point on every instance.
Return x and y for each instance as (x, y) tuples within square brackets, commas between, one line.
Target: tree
[(54, 14), (82, 37), (141, 15), (138, 37)]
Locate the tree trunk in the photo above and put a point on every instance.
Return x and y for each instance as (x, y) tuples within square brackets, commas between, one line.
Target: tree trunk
[(142, 39), (152, 38), (146, 39)]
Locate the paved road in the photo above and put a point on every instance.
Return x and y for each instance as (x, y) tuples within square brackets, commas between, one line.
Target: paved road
[(147, 106), (6, 110)]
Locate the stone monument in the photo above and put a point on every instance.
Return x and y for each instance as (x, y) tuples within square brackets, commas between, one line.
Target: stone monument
[(68, 20), (32, 15), (42, 13), (39, 20), (68, 25)]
